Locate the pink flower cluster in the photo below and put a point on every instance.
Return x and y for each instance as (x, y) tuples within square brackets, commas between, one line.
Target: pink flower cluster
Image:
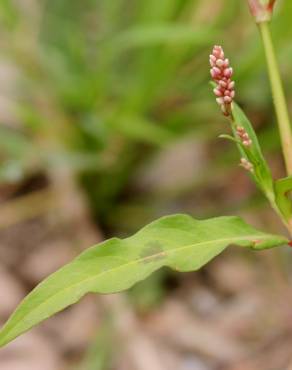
[(246, 165), (221, 73), (243, 136)]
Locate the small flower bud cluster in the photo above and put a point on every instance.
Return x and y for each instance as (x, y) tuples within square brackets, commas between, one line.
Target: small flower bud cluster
[(243, 136), (246, 164), (262, 10), (221, 73)]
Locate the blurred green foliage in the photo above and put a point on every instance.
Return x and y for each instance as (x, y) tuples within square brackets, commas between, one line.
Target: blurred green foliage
[(105, 86)]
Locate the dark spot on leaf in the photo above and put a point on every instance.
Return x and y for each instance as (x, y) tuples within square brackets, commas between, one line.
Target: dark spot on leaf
[(256, 243), (153, 251)]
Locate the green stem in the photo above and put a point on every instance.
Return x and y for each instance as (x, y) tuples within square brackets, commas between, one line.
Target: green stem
[(278, 96)]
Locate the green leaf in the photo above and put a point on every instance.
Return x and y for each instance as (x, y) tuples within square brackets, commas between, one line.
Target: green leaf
[(150, 35), (262, 173), (282, 189), (141, 129), (230, 138), (178, 241)]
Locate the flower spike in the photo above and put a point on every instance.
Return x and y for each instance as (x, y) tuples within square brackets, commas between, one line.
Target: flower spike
[(243, 136), (221, 73), (247, 165), (262, 10)]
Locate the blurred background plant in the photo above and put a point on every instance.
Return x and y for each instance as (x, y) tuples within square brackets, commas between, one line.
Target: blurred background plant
[(106, 114)]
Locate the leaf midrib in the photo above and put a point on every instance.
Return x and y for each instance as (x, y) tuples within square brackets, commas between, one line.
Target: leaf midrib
[(168, 252)]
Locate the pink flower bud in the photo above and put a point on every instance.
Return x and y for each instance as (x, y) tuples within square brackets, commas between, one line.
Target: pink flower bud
[(246, 164), (218, 52), (226, 63), (217, 71), (227, 99), (213, 58), (223, 84), (247, 143), (220, 63), (231, 85), (243, 136), (228, 72), (262, 10), (220, 101), (218, 92)]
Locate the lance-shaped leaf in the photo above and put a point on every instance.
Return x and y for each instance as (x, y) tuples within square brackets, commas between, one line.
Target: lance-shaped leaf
[(283, 188), (253, 154), (178, 241)]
